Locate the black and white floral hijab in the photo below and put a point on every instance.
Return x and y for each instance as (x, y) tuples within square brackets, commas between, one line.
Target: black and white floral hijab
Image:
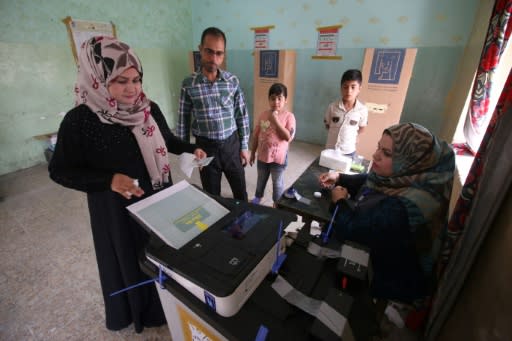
[(101, 60)]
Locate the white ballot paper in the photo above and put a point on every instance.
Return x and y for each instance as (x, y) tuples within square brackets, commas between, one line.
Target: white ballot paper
[(188, 162), (178, 213)]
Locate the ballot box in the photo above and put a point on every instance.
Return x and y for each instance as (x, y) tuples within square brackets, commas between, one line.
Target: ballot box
[(268, 314)]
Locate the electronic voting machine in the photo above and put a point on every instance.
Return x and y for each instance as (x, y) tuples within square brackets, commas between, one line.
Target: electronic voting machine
[(218, 249)]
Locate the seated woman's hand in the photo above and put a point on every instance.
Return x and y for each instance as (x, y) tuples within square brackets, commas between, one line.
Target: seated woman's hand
[(338, 193), (328, 180)]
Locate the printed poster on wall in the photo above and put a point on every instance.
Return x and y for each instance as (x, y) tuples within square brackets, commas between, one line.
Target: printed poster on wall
[(81, 30), (262, 37), (327, 40)]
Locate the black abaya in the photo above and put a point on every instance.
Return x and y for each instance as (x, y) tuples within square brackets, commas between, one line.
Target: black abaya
[(87, 155)]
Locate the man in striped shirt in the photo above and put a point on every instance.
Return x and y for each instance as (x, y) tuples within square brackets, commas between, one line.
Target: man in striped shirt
[(212, 106)]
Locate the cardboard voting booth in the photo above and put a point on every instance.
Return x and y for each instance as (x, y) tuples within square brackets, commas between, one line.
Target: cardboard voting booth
[(273, 66), (386, 76)]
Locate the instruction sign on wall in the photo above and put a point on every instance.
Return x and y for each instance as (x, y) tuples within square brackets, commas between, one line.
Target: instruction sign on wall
[(81, 30), (262, 37)]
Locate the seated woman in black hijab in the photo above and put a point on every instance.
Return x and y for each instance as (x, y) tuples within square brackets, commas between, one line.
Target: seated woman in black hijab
[(398, 210)]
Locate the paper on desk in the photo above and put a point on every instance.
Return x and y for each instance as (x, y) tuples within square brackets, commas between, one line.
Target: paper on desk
[(301, 199), (315, 228), (188, 162), (178, 213), (293, 227)]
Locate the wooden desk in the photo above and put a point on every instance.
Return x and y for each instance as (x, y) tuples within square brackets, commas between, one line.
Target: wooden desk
[(306, 185)]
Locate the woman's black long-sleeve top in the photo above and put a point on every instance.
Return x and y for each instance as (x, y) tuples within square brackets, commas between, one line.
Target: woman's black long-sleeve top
[(88, 152)]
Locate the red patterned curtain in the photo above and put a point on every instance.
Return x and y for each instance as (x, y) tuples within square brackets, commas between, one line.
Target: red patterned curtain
[(479, 202), (495, 43)]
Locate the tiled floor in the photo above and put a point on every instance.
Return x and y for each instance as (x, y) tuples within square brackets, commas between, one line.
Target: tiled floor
[(49, 286)]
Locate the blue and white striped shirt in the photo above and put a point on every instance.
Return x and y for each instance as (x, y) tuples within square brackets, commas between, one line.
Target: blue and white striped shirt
[(213, 110)]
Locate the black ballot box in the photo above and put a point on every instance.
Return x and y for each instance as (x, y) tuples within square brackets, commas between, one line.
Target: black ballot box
[(355, 265), (189, 318)]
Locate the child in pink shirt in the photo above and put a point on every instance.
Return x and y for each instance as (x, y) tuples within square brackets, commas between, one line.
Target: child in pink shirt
[(274, 129)]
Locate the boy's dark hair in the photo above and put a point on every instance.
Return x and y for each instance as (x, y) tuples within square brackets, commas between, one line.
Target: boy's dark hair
[(352, 75), (213, 31), (278, 89)]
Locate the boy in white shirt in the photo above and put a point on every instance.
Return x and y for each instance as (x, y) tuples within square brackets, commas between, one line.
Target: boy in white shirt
[(346, 117)]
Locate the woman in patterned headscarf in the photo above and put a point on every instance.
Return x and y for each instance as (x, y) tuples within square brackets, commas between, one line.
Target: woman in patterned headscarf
[(113, 145), (398, 209)]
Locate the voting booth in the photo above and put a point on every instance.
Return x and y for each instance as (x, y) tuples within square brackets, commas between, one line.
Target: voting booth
[(273, 66)]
